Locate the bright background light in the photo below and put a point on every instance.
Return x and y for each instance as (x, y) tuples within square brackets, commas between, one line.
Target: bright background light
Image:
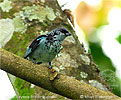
[(107, 36), (114, 16), (6, 89), (93, 2), (110, 45)]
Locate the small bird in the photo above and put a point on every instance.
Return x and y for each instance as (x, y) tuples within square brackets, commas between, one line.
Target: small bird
[(45, 47)]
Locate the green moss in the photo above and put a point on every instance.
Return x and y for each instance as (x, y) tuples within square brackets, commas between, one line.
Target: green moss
[(39, 13), (42, 32), (6, 5), (19, 24), (18, 43), (24, 89)]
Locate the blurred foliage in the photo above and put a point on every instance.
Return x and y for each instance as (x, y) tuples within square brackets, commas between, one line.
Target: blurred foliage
[(89, 18), (106, 68), (119, 38), (100, 59), (14, 98)]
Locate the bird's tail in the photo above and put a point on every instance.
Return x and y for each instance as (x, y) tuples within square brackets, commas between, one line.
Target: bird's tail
[(28, 52)]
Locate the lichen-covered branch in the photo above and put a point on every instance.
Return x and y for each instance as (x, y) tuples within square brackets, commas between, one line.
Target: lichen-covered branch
[(39, 75)]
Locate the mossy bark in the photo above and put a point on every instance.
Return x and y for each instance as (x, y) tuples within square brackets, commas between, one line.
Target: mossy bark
[(72, 61), (39, 75)]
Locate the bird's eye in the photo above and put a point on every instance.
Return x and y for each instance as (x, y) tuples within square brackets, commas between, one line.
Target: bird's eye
[(56, 33), (64, 31)]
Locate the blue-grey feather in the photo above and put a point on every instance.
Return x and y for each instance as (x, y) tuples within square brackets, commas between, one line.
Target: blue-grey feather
[(45, 47)]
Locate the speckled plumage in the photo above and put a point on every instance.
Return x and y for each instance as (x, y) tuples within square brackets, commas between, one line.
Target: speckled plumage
[(45, 47)]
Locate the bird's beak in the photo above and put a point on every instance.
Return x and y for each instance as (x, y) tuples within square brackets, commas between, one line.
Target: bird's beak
[(68, 34)]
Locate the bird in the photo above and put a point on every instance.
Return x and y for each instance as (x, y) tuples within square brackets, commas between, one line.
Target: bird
[(45, 47)]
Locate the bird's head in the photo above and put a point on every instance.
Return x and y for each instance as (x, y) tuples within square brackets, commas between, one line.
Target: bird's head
[(63, 31), (60, 33)]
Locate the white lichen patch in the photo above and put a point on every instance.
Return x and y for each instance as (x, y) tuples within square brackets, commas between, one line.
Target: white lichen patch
[(82, 81), (73, 77), (32, 86), (61, 67), (66, 60), (6, 5), (58, 13), (83, 75), (38, 12), (21, 13), (98, 85), (85, 59), (6, 31), (70, 39), (19, 24), (43, 1)]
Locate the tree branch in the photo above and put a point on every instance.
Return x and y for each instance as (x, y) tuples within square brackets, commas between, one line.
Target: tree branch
[(39, 75)]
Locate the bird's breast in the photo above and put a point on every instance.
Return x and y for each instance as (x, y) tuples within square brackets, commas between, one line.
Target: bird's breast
[(46, 51)]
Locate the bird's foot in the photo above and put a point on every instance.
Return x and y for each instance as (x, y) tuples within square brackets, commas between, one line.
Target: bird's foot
[(53, 74), (52, 70), (50, 67)]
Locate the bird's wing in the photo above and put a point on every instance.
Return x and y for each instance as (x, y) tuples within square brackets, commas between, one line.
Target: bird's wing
[(34, 45)]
